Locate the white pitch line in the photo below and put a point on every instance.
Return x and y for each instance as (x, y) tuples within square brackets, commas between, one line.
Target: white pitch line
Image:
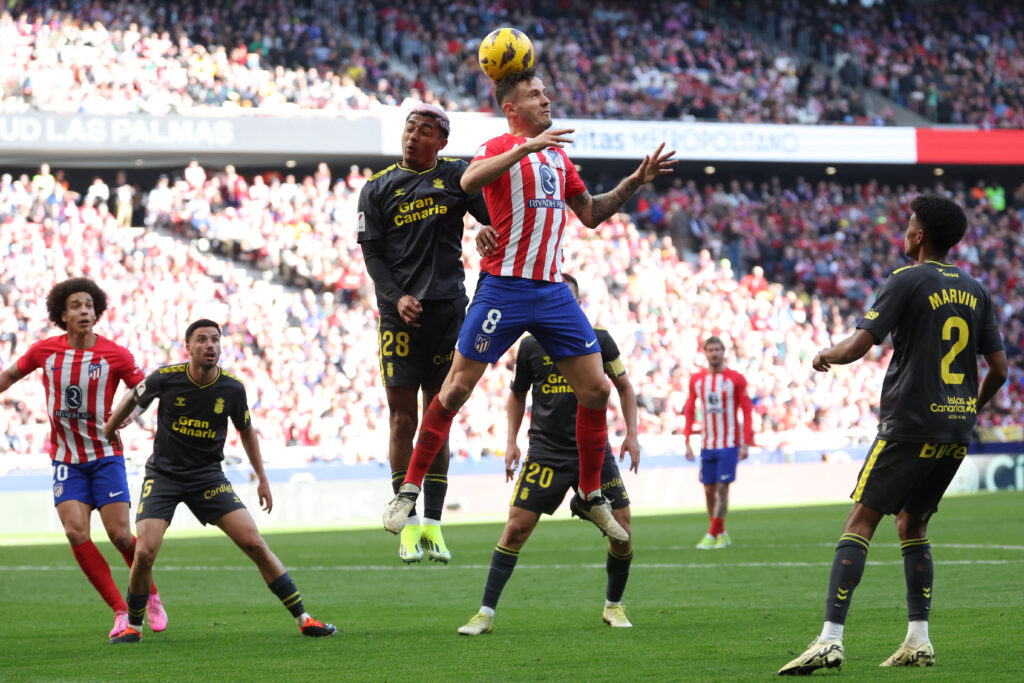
[(480, 567)]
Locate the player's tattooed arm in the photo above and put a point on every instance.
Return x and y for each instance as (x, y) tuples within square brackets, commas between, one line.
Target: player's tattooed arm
[(592, 211)]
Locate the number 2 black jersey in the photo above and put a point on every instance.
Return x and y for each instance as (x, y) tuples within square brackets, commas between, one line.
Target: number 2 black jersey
[(553, 412), (418, 216), (192, 421), (941, 320)]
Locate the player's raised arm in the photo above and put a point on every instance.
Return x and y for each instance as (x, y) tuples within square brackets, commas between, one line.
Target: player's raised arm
[(251, 445), (483, 172), (592, 211)]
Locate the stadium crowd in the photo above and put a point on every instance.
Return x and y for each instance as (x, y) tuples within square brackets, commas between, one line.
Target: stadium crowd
[(951, 62), (285, 58), (777, 271)]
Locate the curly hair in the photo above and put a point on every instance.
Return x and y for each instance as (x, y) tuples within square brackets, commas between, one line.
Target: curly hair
[(57, 299), (941, 219), (506, 86)]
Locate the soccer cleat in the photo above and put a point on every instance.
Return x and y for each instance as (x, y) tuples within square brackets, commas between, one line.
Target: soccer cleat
[(820, 654), (922, 655), (723, 541), (433, 541), (398, 510), (317, 629), (156, 615), (120, 623), (706, 543), (599, 511), (128, 635), (409, 544), (615, 616), (480, 623)]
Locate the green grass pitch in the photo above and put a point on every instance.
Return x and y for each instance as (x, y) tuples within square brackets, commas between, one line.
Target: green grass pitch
[(731, 615)]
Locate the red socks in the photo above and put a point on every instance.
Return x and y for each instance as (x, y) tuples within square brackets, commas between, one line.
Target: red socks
[(129, 557), (591, 439), (98, 572), (717, 526), (434, 428)]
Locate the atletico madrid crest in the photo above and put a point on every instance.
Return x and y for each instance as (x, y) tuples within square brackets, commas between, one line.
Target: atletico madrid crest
[(482, 343)]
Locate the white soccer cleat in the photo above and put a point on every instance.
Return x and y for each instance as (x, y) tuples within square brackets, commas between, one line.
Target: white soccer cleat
[(599, 511), (615, 616), (827, 654), (922, 655), (400, 507), (480, 623)]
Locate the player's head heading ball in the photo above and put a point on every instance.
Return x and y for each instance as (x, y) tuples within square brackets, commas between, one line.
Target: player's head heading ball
[(506, 87), (435, 112), (202, 322), (57, 299), (941, 219)]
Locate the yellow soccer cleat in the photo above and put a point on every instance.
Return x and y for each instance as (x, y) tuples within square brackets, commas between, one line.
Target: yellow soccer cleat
[(433, 541), (480, 623), (820, 654), (723, 541), (922, 655), (706, 543), (615, 616), (409, 549)]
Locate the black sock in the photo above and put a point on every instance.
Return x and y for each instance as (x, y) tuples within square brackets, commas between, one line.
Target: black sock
[(503, 561), (396, 480), (618, 575), (136, 608), (920, 572), (435, 488), (847, 570), (284, 588)]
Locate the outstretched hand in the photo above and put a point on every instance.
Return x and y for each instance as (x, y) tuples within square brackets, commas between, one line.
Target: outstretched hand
[(655, 165), (553, 137)]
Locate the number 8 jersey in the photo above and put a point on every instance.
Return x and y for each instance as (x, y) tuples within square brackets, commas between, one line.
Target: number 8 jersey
[(941, 320)]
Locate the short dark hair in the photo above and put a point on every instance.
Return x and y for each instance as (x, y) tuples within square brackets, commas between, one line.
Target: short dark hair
[(574, 286), (713, 339), (202, 322), (57, 299), (506, 86), (942, 220)]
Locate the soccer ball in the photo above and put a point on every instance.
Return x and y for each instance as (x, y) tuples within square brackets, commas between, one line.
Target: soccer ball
[(505, 51)]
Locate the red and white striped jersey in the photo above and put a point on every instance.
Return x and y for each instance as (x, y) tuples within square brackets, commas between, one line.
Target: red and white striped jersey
[(527, 209), (80, 386), (722, 395)]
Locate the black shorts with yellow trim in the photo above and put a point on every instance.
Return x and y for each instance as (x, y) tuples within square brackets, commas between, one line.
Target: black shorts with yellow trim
[(208, 501), (907, 476), (544, 481), (419, 356)]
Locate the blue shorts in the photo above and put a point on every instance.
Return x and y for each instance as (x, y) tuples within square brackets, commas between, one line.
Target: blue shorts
[(718, 465), (504, 308), (94, 483)]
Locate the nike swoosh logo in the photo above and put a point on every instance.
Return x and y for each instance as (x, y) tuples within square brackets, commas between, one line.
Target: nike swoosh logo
[(590, 343), (117, 493)]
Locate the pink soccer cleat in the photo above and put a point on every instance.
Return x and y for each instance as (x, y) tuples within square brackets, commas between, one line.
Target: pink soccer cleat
[(120, 623), (156, 615)]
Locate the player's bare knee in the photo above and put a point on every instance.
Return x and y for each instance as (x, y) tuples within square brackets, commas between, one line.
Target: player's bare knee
[(76, 535), (145, 557), (403, 424), (121, 538)]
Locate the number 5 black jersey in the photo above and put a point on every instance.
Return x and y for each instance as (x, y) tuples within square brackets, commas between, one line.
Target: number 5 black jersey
[(941, 320)]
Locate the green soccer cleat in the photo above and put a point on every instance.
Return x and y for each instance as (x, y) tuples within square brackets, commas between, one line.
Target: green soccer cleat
[(433, 541), (723, 541), (706, 543), (317, 629), (922, 655), (400, 507), (128, 635), (826, 654), (409, 549), (615, 616), (480, 623), (599, 511)]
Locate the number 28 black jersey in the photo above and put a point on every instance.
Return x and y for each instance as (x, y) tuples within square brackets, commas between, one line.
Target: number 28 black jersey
[(941, 320)]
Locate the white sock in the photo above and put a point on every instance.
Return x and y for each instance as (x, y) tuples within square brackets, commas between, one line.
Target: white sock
[(412, 487), (489, 611), (301, 619), (427, 521), (412, 519), (831, 631), (609, 603), (596, 493), (917, 633)]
